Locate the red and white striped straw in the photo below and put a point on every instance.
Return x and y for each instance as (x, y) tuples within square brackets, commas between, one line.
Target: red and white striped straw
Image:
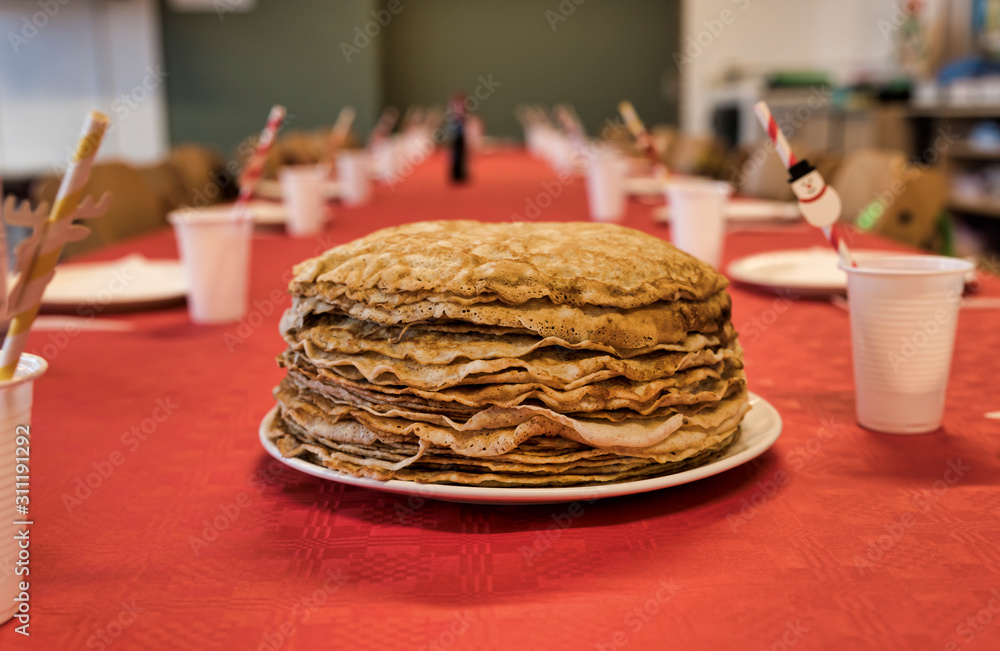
[(642, 137), (255, 166), (384, 126), (777, 137), (832, 233), (571, 126)]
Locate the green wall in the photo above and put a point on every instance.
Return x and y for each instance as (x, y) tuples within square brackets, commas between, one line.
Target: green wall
[(224, 74), (604, 51)]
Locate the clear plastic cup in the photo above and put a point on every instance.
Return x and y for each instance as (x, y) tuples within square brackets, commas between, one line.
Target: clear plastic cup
[(606, 186), (15, 418), (215, 250), (904, 310), (354, 175), (302, 192), (697, 216)]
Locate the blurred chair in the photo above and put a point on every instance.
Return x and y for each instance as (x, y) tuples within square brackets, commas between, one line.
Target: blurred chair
[(864, 176), (203, 175), (699, 155), (914, 217), (664, 136), (167, 184), (828, 163), (756, 171), (135, 207), (883, 194), (732, 170), (296, 148)]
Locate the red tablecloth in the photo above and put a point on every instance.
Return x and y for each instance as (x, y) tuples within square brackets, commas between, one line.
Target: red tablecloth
[(160, 523)]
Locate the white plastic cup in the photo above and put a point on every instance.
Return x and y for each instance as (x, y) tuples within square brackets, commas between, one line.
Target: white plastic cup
[(354, 175), (697, 216), (533, 140), (904, 310), (606, 186), (302, 192), (561, 153), (384, 160), (15, 418), (215, 250)]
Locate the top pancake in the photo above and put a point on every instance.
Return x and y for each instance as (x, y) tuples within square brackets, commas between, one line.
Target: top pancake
[(468, 262)]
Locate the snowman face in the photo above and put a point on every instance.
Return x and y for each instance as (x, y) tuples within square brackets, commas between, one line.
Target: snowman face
[(809, 186)]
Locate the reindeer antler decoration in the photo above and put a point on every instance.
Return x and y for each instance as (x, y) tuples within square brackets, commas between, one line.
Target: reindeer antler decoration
[(44, 236)]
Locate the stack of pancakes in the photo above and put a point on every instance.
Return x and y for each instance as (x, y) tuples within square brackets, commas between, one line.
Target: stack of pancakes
[(518, 354)]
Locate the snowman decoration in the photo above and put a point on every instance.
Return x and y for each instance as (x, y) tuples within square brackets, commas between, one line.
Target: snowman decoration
[(818, 202)]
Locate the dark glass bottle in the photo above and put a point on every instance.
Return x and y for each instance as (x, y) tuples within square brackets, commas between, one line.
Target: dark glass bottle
[(459, 150)]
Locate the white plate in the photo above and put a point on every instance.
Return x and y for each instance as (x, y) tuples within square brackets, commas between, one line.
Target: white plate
[(810, 272), (644, 185), (761, 428), (750, 210), (268, 212), (129, 281), (271, 189), (261, 212)]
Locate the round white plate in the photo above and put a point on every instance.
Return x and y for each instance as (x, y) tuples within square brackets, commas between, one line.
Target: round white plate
[(750, 210), (271, 213), (761, 428), (644, 185), (271, 189), (132, 281), (809, 272)]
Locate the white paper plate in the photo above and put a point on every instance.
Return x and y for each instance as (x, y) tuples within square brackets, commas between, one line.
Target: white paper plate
[(132, 281), (262, 212), (268, 212), (761, 429), (809, 272), (750, 210), (271, 189), (644, 185)]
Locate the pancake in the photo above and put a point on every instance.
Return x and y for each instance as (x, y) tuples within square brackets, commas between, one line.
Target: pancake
[(365, 461), (443, 343), (464, 263), (554, 369), (522, 354), (500, 430), (685, 387), (648, 325)]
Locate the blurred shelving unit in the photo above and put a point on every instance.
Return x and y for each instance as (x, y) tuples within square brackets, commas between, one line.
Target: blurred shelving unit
[(941, 136)]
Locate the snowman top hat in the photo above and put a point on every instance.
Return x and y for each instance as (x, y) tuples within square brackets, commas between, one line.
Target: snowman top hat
[(799, 169)]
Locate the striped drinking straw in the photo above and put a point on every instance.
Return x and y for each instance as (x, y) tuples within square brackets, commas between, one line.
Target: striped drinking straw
[(642, 137), (255, 166), (774, 133), (39, 269), (833, 233), (338, 136)]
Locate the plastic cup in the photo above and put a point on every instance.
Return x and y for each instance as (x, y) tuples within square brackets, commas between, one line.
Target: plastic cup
[(904, 310), (302, 192), (533, 140), (561, 153), (384, 160), (697, 216), (606, 187), (354, 174), (215, 250), (15, 419)]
